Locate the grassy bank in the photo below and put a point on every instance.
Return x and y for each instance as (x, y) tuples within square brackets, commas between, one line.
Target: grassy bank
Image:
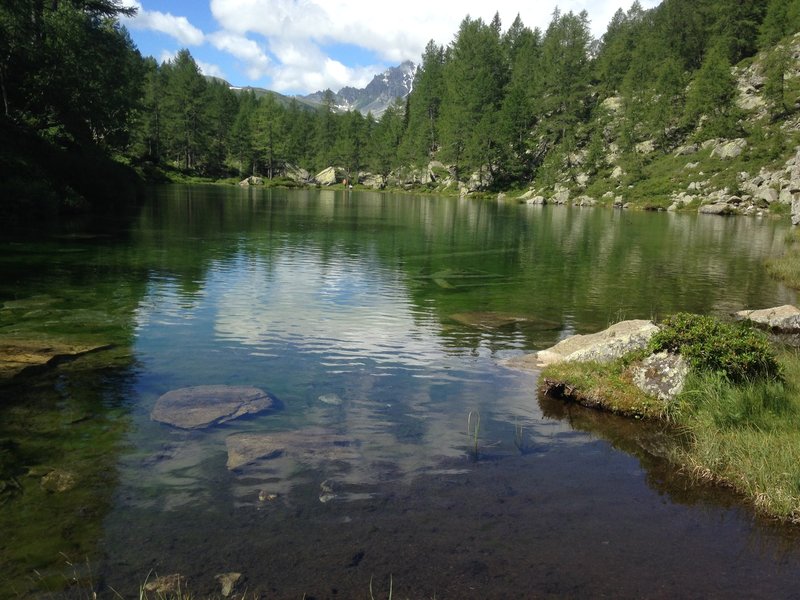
[(742, 432)]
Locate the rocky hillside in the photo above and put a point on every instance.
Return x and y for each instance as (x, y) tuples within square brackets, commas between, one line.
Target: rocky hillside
[(384, 89), (757, 172)]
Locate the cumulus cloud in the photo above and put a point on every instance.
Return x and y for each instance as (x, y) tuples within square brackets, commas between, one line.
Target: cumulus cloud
[(178, 27), (255, 61)]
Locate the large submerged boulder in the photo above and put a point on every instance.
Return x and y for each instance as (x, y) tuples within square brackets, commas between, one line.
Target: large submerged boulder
[(206, 405)]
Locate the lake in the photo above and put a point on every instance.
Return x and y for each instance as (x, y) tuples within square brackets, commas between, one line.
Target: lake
[(411, 457)]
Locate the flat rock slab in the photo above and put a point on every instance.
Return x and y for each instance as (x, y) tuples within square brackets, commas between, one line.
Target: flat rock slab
[(603, 346), (312, 445), (496, 320), (17, 356), (206, 405), (783, 319)]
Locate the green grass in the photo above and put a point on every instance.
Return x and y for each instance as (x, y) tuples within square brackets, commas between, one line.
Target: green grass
[(608, 386), (744, 435), (786, 268)]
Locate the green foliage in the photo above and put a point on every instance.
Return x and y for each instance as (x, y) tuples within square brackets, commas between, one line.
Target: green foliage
[(711, 95), (734, 351)]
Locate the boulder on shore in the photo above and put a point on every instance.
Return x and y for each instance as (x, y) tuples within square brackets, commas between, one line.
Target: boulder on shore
[(603, 346), (782, 319), (206, 405), (326, 176)]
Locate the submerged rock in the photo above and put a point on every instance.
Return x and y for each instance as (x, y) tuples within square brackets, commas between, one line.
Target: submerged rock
[(228, 583), (603, 346), (311, 445), (484, 320), (206, 405), (781, 319), (662, 375), (17, 356), (330, 399), (58, 481)]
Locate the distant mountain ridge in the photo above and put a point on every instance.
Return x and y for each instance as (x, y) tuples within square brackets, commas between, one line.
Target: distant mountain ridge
[(384, 89)]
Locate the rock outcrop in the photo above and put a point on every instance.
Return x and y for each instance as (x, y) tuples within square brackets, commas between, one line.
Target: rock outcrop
[(207, 405)]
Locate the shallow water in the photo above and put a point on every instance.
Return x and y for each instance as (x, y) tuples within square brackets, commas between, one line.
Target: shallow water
[(381, 323)]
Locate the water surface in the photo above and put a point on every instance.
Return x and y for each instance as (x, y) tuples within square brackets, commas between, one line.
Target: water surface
[(381, 322)]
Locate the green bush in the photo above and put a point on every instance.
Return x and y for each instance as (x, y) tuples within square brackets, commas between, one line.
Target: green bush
[(735, 351)]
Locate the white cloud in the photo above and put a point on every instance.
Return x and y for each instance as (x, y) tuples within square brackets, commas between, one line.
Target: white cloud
[(178, 27), (210, 69), (256, 62)]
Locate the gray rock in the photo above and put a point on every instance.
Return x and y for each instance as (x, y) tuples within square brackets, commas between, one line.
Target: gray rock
[(661, 375), (326, 176), (252, 180), (617, 173), (783, 319), (796, 211), (687, 150), (376, 182), (228, 583), (296, 173), (603, 346), (206, 405), (767, 194), (646, 147), (537, 201), (719, 208), (729, 149)]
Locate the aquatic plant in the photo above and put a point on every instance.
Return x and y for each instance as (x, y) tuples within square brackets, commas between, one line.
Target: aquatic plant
[(519, 439), (473, 430), (372, 597)]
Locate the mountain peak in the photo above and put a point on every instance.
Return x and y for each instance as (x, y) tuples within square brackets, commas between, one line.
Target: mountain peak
[(384, 89)]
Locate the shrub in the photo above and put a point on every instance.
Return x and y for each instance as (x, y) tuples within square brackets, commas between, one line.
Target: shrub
[(735, 351)]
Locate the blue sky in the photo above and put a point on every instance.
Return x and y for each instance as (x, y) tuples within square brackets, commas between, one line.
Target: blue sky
[(302, 46)]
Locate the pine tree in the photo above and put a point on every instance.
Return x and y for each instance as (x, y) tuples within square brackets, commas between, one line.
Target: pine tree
[(474, 77), (711, 94), (184, 95), (423, 107)]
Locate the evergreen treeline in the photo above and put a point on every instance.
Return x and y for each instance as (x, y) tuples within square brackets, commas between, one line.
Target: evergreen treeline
[(506, 104)]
